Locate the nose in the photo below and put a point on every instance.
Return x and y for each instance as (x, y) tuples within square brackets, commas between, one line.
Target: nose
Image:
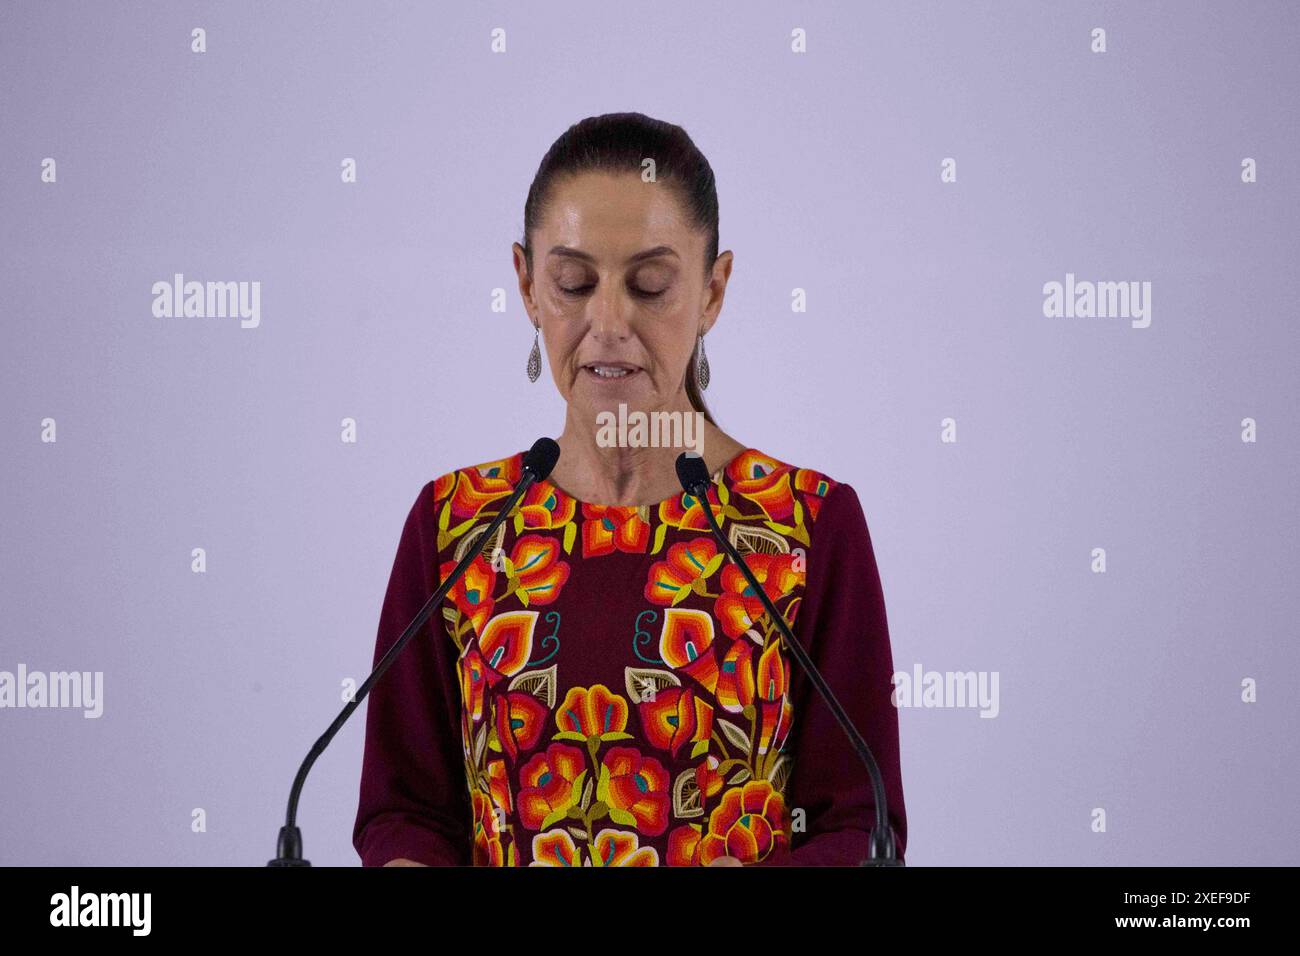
[(608, 311)]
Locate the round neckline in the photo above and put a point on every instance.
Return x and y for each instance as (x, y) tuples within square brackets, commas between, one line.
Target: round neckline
[(719, 472)]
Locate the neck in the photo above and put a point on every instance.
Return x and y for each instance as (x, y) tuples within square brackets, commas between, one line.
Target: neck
[(631, 476)]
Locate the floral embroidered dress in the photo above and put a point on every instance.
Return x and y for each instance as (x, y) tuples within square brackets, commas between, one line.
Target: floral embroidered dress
[(602, 688)]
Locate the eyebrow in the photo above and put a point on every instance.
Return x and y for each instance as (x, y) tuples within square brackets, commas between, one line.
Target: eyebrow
[(588, 257)]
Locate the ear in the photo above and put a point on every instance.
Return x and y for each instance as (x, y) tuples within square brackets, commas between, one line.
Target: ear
[(525, 282), (716, 291)]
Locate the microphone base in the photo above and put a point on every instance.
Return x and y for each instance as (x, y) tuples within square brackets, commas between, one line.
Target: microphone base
[(288, 848), (883, 850)]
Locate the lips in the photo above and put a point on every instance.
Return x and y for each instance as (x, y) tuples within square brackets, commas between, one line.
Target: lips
[(610, 371)]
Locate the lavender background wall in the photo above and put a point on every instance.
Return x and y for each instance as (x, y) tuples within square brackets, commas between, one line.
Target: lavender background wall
[(1119, 690)]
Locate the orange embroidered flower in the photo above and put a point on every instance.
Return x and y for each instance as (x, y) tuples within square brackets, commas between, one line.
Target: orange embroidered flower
[(475, 679), (684, 845), (813, 482), (499, 785), (472, 594), (535, 563), (686, 644), (592, 713), (546, 507), (610, 528), (748, 823), (520, 720), (478, 487), (735, 689), (502, 650), (687, 566), (442, 486), (772, 682), (621, 848), (707, 776), (686, 512), (487, 849), (773, 676), (764, 481), (816, 486), (738, 606), (774, 721), (635, 788), (555, 848), (550, 784), (507, 641), (676, 716), (609, 848)]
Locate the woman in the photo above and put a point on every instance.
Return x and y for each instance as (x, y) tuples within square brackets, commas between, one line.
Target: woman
[(601, 688)]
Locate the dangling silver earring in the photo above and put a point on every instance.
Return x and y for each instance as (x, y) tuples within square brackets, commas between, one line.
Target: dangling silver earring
[(534, 359), (701, 366)]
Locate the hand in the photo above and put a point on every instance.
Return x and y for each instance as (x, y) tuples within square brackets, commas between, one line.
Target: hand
[(727, 861)]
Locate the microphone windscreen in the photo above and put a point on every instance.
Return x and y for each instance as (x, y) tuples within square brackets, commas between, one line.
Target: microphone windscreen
[(541, 458), (692, 472)]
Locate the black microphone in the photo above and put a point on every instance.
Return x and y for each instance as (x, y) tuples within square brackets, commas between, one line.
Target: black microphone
[(695, 480), (537, 465)]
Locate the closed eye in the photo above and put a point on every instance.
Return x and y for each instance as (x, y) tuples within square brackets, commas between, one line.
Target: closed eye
[(583, 290)]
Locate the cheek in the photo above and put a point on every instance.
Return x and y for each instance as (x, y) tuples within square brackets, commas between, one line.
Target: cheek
[(561, 339), (562, 323), (669, 337), (561, 306)]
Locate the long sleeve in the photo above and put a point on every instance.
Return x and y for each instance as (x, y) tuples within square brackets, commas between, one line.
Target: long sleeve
[(842, 623), (413, 798)]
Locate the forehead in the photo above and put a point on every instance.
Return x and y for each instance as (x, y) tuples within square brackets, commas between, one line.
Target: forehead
[(616, 212)]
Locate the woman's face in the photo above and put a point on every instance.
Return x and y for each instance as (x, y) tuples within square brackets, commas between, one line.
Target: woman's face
[(619, 292)]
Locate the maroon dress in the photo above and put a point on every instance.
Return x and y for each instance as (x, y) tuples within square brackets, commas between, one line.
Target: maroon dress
[(603, 689)]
